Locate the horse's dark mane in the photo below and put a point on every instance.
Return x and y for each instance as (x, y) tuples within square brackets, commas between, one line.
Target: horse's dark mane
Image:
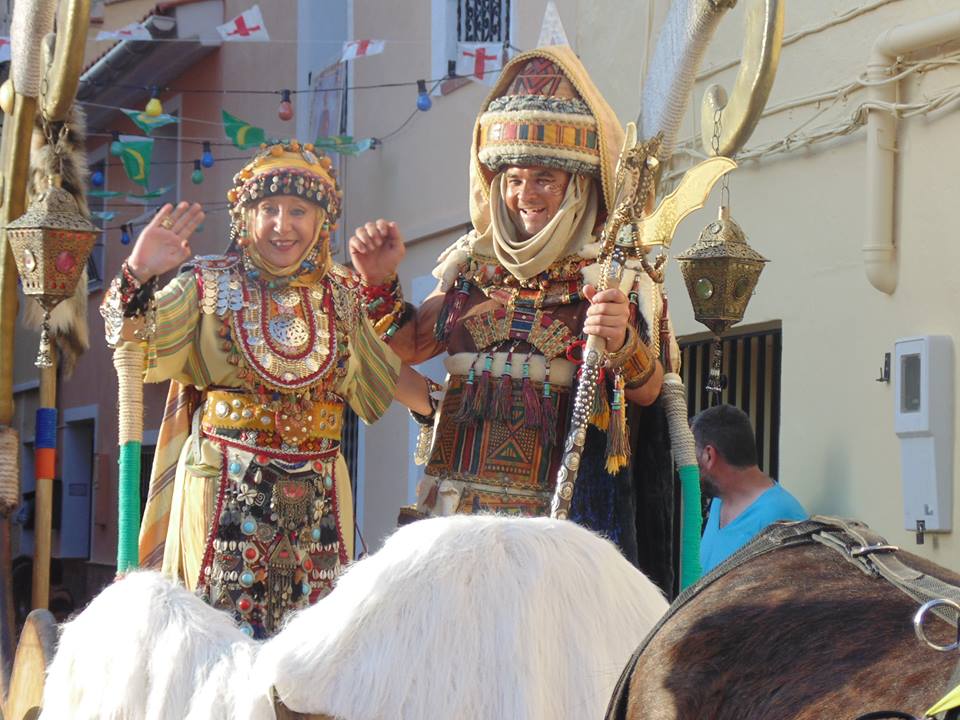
[(789, 635)]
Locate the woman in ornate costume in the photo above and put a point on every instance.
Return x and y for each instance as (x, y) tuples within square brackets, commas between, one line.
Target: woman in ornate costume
[(515, 299), (252, 505)]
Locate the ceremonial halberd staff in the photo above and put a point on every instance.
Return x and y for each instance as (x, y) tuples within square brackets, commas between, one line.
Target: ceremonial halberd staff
[(682, 41)]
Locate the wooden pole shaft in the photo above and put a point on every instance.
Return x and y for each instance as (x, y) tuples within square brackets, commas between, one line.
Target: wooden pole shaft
[(43, 511), (14, 166)]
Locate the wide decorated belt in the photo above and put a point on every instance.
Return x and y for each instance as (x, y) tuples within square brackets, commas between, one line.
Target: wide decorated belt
[(226, 410)]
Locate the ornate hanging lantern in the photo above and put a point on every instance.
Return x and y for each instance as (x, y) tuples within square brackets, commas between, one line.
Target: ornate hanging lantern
[(51, 242), (720, 270)]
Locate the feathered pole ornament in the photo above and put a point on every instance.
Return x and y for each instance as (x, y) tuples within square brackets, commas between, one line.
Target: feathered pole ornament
[(63, 252)]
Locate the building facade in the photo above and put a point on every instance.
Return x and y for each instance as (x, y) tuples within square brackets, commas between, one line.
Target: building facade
[(813, 342)]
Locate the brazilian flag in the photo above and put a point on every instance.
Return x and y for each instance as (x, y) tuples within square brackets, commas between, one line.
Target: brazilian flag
[(242, 134), (136, 154), (344, 144), (149, 123)]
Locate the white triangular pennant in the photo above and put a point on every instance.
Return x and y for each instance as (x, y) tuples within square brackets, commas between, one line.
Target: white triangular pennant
[(353, 49), (133, 31), (480, 61), (246, 27), (551, 29)]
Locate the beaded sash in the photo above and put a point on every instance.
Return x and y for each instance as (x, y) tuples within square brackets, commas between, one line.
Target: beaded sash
[(275, 541)]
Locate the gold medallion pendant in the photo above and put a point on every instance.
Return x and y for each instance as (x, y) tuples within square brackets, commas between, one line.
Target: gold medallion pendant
[(287, 336)]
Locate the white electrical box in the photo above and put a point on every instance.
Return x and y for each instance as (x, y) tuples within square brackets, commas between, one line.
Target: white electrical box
[(923, 420)]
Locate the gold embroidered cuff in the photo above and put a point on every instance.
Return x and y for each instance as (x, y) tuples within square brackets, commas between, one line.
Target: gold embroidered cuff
[(635, 361), (616, 360), (639, 367)]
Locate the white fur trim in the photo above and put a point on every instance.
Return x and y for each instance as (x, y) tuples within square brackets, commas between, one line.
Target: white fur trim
[(543, 117), (452, 260), (473, 617), (147, 648), (649, 303), (468, 617)]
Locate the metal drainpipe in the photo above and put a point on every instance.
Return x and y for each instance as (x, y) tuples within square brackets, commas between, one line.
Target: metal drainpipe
[(879, 249)]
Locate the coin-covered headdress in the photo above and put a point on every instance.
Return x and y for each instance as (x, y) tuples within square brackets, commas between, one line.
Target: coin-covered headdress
[(285, 168)]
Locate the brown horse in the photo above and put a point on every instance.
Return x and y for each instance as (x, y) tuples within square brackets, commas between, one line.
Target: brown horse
[(807, 630)]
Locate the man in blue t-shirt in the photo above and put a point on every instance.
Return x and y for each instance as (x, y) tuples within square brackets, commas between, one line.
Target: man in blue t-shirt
[(745, 500)]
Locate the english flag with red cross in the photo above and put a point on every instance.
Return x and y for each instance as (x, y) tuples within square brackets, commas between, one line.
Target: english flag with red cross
[(480, 61), (353, 49), (246, 27), (133, 31)]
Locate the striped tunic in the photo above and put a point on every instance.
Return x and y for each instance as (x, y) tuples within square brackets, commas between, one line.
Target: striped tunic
[(190, 348)]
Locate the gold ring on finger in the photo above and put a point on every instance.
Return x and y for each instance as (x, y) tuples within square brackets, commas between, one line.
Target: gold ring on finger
[(166, 223)]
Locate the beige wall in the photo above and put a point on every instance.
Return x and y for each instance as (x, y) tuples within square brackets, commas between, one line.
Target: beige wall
[(805, 211)]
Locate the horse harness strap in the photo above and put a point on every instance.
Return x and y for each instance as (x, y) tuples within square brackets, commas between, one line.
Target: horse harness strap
[(855, 542), (871, 553)]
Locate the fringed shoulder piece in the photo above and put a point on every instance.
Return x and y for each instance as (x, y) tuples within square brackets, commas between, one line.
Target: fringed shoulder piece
[(345, 286), (455, 261)]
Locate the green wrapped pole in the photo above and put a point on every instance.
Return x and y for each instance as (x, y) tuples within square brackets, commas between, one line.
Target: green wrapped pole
[(685, 456), (128, 521), (128, 361), (690, 570)]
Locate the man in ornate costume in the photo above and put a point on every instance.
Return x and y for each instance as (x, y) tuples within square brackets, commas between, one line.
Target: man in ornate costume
[(252, 505), (516, 296)]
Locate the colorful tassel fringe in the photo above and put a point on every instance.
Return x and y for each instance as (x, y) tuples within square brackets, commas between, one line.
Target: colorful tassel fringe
[(618, 445), (503, 403), (465, 411), (531, 403)]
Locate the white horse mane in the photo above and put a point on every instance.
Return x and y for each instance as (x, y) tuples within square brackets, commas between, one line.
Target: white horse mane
[(478, 618)]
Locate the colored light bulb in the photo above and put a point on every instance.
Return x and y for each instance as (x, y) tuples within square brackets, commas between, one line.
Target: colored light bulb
[(196, 177), (285, 109), (96, 178), (154, 108), (116, 147), (207, 158), (124, 235), (424, 102)]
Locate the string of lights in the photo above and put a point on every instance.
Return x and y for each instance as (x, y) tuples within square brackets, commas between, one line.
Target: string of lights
[(281, 91)]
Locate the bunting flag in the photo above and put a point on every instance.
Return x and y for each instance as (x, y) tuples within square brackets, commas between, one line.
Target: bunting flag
[(551, 29), (344, 144), (479, 61), (103, 193), (150, 195), (133, 31), (242, 134), (246, 27), (135, 155), (148, 123), (4, 49), (103, 215), (353, 49)]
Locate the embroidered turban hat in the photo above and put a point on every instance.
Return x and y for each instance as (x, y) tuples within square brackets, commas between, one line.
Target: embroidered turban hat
[(540, 119), (286, 169)]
